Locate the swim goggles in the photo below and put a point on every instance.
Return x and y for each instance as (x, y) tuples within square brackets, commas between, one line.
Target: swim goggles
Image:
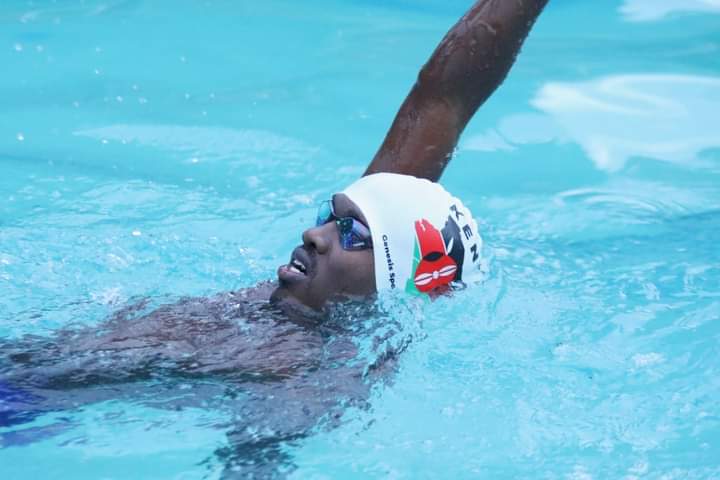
[(353, 234)]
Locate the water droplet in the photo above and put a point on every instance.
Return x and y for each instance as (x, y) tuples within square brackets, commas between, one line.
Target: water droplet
[(194, 160), (97, 71), (104, 141), (119, 99), (142, 100), (183, 59), (18, 47), (39, 48), (136, 233), (20, 137)]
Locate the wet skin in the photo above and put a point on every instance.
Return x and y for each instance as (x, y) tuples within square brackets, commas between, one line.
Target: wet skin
[(331, 273), (278, 377)]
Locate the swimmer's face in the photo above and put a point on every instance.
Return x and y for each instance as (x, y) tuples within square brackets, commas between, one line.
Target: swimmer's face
[(331, 272)]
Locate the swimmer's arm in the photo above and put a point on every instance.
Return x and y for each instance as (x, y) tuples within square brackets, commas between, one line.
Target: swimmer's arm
[(466, 67)]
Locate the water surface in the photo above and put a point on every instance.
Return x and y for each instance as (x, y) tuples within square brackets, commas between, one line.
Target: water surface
[(177, 149)]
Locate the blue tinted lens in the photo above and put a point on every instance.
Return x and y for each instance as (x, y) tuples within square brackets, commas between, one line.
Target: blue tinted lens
[(353, 234), (345, 226), (325, 213), (346, 242)]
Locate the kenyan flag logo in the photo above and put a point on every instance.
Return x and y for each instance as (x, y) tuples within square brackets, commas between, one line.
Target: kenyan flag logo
[(437, 258)]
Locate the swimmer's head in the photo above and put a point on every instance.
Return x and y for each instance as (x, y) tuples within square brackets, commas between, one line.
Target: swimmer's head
[(383, 232), (322, 268)]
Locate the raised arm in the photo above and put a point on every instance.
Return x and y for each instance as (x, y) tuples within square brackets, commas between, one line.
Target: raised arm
[(463, 71)]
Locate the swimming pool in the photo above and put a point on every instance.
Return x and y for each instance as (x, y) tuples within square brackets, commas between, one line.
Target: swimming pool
[(170, 149)]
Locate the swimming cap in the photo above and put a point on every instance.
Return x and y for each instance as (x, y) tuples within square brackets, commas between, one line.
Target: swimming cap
[(424, 239)]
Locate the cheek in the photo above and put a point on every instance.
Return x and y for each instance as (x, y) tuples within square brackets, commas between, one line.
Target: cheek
[(369, 273), (344, 272), (359, 273)]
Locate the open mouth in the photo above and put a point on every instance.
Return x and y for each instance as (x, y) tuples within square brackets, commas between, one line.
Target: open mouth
[(299, 267), (296, 266)]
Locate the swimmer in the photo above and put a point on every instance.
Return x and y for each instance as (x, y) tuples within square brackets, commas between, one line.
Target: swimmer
[(365, 238), (256, 352)]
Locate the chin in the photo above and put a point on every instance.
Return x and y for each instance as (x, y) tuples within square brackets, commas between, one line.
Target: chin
[(284, 297)]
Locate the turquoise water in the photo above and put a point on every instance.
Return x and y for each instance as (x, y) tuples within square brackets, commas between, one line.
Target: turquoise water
[(166, 149)]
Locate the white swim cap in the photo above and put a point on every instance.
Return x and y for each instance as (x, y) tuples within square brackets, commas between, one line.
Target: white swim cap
[(424, 239)]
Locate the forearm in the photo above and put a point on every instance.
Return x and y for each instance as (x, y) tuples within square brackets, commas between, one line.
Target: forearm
[(467, 66)]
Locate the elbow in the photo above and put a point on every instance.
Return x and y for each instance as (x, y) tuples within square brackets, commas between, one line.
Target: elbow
[(426, 83)]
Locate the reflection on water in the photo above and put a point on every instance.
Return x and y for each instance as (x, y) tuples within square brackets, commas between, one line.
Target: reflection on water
[(614, 118), (649, 10)]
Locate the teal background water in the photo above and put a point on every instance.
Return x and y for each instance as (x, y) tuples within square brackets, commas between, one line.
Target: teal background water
[(155, 148)]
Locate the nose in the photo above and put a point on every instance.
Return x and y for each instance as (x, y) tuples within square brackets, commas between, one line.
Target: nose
[(319, 237)]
